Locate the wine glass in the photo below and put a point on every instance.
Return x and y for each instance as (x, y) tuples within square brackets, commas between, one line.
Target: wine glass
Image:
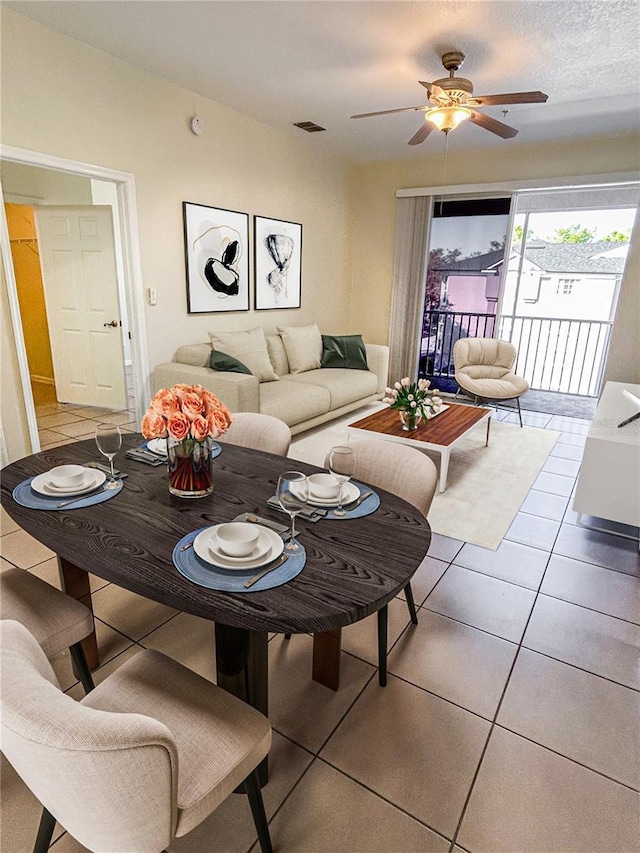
[(293, 493), (342, 464), (109, 441)]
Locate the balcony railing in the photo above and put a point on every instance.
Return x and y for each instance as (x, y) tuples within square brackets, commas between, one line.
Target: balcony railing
[(554, 353)]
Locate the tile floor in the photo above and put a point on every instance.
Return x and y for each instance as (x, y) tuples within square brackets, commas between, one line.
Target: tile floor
[(510, 720)]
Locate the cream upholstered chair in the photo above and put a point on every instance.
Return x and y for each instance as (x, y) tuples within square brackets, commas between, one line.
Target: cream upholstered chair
[(56, 620), (143, 758), (260, 432), (412, 476), (484, 369)]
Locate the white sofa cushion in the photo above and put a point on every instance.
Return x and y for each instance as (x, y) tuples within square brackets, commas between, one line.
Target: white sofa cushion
[(250, 348), (277, 354), (344, 386), (293, 404), (197, 355), (303, 345)]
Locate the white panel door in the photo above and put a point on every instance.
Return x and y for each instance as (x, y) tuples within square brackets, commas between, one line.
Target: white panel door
[(77, 255)]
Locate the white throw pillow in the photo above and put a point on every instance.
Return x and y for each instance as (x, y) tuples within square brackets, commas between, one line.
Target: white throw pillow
[(250, 348), (303, 345)]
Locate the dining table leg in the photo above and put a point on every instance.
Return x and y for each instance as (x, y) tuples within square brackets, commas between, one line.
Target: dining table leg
[(75, 582), (242, 666), (326, 658)]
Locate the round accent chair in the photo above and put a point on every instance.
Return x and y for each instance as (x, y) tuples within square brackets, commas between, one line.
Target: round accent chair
[(484, 369)]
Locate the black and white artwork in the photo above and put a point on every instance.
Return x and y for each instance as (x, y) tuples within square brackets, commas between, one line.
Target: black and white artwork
[(278, 263), (217, 259)]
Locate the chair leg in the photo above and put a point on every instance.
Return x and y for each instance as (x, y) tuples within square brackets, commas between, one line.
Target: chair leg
[(519, 412), (252, 787), (411, 603), (382, 646), (82, 667), (45, 832)]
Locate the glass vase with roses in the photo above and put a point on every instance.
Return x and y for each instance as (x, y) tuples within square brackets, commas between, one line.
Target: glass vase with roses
[(189, 417)]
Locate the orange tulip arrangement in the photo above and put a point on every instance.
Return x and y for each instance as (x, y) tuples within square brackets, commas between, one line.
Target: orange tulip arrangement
[(188, 416)]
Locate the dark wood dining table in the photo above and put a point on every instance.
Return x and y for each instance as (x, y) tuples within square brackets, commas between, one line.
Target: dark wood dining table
[(354, 566)]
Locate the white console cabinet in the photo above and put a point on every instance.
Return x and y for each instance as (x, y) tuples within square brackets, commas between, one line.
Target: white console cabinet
[(609, 481)]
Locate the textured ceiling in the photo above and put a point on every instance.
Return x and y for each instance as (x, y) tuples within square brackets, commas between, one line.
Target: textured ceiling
[(320, 60)]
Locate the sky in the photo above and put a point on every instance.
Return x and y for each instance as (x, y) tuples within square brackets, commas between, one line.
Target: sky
[(604, 222), (475, 233)]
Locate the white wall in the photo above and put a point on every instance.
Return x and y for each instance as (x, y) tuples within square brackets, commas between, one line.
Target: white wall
[(31, 185), (64, 98), (623, 363)]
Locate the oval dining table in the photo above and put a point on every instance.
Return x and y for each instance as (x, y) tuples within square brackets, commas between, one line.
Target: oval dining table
[(354, 566)]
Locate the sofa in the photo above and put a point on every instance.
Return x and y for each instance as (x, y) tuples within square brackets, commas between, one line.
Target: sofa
[(301, 398)]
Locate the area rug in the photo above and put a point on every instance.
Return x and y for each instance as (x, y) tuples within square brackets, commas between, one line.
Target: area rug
[(487, 485)]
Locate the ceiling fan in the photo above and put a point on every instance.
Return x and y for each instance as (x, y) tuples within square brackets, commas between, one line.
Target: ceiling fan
[(451, 101)]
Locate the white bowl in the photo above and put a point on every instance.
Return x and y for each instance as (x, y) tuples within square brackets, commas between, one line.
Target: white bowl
[(237, 538), (67, 475), (324, 486)]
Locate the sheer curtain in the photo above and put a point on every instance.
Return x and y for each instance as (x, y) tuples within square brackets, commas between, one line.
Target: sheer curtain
[(413, 219)]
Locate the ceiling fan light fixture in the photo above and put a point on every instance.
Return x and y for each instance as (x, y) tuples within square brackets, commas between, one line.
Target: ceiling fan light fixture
[(448, 118)]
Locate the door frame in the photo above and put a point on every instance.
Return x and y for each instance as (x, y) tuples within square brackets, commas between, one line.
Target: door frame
[(133, 281)]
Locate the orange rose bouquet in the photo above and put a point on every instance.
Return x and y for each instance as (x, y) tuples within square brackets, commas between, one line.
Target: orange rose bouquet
[(188, 416)]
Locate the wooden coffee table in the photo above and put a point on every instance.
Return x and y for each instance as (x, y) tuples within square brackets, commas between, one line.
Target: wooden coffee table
[(440, 434)]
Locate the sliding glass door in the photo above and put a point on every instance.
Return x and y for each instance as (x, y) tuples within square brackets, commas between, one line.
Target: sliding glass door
[(561, 287)]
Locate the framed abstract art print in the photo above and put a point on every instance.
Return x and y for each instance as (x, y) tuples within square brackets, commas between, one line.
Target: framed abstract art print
[(216, 245), (278, 263)]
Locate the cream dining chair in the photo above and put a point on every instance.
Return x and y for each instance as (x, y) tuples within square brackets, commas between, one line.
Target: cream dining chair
[(56, 620), (412, 476), (143, 758), (484, 369), (260, 432)]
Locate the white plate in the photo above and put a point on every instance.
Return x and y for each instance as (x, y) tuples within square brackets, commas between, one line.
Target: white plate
[(43, 486), (203, 541), (262, 546), (158, 446), (350, 492)]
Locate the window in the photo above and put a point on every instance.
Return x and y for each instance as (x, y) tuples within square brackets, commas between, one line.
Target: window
[(565, 286)]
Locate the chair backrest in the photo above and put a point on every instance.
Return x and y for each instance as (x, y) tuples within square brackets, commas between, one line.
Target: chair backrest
[(109, 778), (484, 353), (56, 620), (260, 432), (396, 468)]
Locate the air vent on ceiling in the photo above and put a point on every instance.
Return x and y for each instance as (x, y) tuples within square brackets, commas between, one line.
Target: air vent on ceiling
[(309, 126)]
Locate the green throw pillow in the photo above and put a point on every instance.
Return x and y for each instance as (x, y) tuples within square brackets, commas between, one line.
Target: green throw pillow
[(344, 351), (221, 361)]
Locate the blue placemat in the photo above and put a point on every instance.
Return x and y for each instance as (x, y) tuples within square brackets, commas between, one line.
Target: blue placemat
[(367, 506), (232, 580), (24, 495), (216, 449)]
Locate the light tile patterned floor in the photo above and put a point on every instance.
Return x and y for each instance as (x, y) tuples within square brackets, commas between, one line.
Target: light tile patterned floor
[(511, 715)]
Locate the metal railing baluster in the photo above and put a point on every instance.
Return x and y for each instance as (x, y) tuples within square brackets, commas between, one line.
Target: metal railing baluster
[(535, 338)]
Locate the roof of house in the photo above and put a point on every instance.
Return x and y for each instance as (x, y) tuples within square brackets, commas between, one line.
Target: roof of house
[(598, 257), (474, 264), (575, 257)]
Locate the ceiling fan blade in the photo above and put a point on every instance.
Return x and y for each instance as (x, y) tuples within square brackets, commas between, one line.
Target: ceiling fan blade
[(493, 125), (436, 92), (386, 112), (511, 98), (422, 133)]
